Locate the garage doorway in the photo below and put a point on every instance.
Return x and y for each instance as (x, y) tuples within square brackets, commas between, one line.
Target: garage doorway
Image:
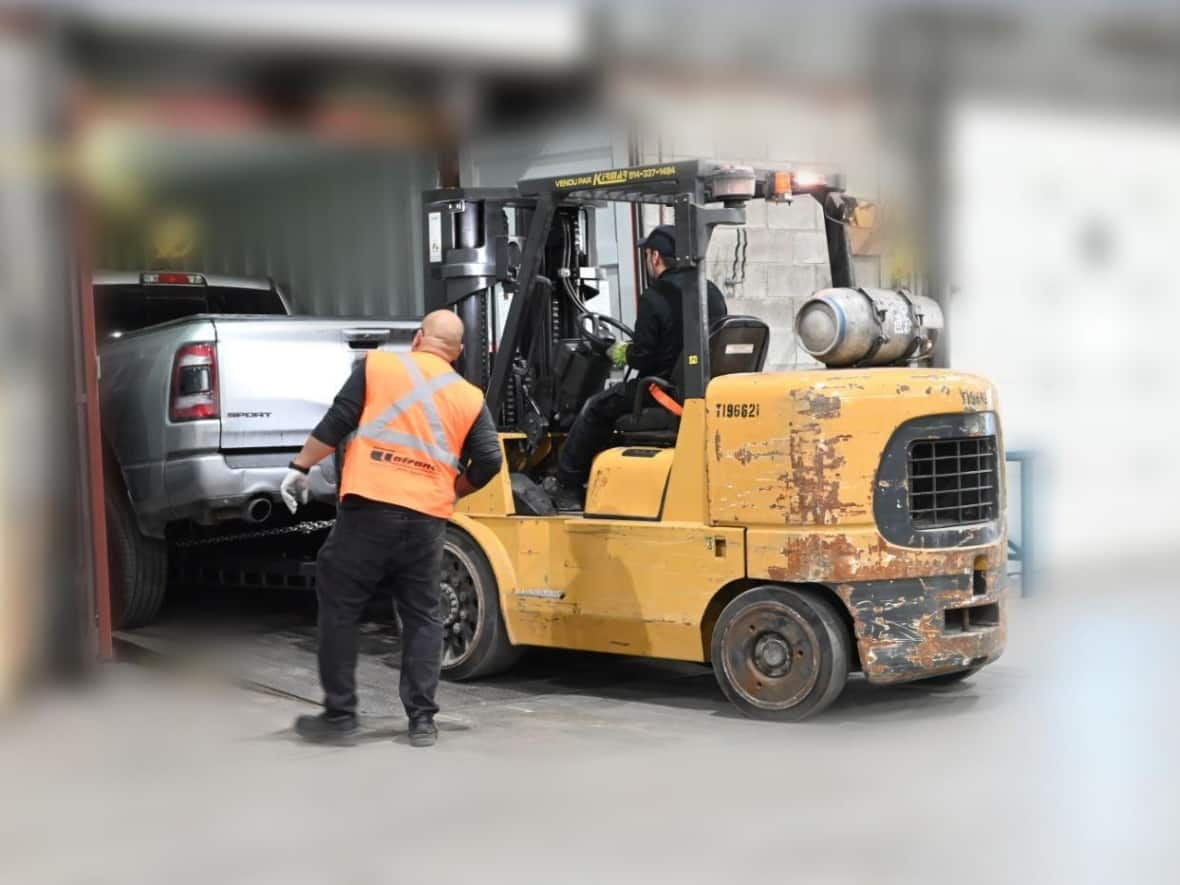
[(1065, 293)]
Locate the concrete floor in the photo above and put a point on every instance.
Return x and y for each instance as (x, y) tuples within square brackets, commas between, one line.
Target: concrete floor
[(1056, 764)]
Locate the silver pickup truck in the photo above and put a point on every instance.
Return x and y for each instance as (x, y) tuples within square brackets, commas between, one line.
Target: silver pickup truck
[(208, 387)]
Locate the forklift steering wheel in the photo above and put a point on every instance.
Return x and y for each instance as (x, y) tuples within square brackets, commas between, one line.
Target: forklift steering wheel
[(599, 334)]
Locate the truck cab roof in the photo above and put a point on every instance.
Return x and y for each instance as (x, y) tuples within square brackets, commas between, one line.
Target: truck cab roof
[(126, 301)]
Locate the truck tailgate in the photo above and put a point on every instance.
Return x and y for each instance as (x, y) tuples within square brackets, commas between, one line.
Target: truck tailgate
[(277, 378)]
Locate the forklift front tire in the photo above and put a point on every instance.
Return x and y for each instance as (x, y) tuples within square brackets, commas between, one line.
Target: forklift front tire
[(780, 653), (475, 641)]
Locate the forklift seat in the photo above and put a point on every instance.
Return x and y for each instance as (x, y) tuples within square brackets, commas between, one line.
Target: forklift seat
[(736, 344)]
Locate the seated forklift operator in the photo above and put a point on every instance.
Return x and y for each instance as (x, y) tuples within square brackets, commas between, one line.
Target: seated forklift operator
[(654, 350)]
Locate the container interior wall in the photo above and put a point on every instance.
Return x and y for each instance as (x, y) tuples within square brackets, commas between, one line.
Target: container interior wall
[(338, 229)]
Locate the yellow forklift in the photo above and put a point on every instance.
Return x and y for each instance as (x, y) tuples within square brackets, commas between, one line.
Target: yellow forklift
[(787, 528)]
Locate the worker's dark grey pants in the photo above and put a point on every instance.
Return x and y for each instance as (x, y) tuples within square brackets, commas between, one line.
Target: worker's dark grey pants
[(372, 547), (592, 432)]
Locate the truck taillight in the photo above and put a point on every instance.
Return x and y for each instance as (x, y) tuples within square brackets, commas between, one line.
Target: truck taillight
[(172, 279), (194, 383)]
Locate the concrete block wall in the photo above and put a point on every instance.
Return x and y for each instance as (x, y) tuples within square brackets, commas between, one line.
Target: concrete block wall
[(786, 252)]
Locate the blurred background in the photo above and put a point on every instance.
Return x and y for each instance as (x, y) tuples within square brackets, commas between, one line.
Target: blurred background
[(1019, 163)]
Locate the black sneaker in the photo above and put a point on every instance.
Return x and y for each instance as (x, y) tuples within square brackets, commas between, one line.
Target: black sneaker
[(338, 729), (423, 731)]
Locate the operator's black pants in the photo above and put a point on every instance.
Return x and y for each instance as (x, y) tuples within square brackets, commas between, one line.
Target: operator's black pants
[(592, 432), (374, 546)]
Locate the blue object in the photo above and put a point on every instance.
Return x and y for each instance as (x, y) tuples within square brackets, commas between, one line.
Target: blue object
[(1024, 552)]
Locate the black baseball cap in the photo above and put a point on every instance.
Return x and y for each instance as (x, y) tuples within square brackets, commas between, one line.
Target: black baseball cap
[(662, 239)]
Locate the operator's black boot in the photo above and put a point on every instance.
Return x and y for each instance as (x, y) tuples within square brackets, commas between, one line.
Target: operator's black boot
[(565, 498), (337, 729)]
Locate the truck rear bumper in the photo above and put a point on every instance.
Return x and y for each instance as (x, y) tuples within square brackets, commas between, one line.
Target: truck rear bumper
[(917, 627), (214, 487)]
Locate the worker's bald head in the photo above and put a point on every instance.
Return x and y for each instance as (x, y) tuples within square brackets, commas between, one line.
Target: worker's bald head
[(441, 334)]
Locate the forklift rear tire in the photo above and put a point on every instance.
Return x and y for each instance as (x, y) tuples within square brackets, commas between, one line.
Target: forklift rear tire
[(137, 565), (475, 641), (780, 653)]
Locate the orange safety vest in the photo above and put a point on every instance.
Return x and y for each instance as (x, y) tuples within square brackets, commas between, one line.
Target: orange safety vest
[(416, 417)]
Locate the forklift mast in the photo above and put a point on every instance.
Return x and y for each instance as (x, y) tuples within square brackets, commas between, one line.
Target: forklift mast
[(534, 243)]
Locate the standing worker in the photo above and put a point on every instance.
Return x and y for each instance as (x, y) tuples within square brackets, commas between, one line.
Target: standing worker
[(654, 350), (423, 439)]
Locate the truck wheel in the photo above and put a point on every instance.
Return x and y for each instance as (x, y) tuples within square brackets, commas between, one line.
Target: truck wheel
[(475, 642), (780, 653), (138, 566)]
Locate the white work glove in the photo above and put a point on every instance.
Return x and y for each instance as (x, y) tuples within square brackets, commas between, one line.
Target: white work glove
[(294, 489)]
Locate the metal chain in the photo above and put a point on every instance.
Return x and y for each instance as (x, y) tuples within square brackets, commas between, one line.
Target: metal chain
[(300, 528)]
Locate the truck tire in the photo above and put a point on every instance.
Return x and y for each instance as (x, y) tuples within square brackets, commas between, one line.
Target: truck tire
[(780, 653), (138, 566), (475, 642)]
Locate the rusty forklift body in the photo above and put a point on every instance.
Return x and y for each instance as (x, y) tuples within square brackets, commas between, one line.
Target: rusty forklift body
[(789, 528)]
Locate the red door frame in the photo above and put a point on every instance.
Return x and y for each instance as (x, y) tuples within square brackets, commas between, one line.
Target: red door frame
[(94, 458)]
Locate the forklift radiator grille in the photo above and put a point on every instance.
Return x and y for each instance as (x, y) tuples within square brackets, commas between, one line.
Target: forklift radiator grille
[(952, 481)]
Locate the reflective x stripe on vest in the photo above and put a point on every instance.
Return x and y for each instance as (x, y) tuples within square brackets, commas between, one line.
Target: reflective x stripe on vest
[(421, 393)]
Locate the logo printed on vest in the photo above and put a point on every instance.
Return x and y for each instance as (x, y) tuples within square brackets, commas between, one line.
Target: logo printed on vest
[(385, 456)]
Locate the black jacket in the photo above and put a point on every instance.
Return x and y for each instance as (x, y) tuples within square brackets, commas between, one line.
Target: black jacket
[(659, 328)]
